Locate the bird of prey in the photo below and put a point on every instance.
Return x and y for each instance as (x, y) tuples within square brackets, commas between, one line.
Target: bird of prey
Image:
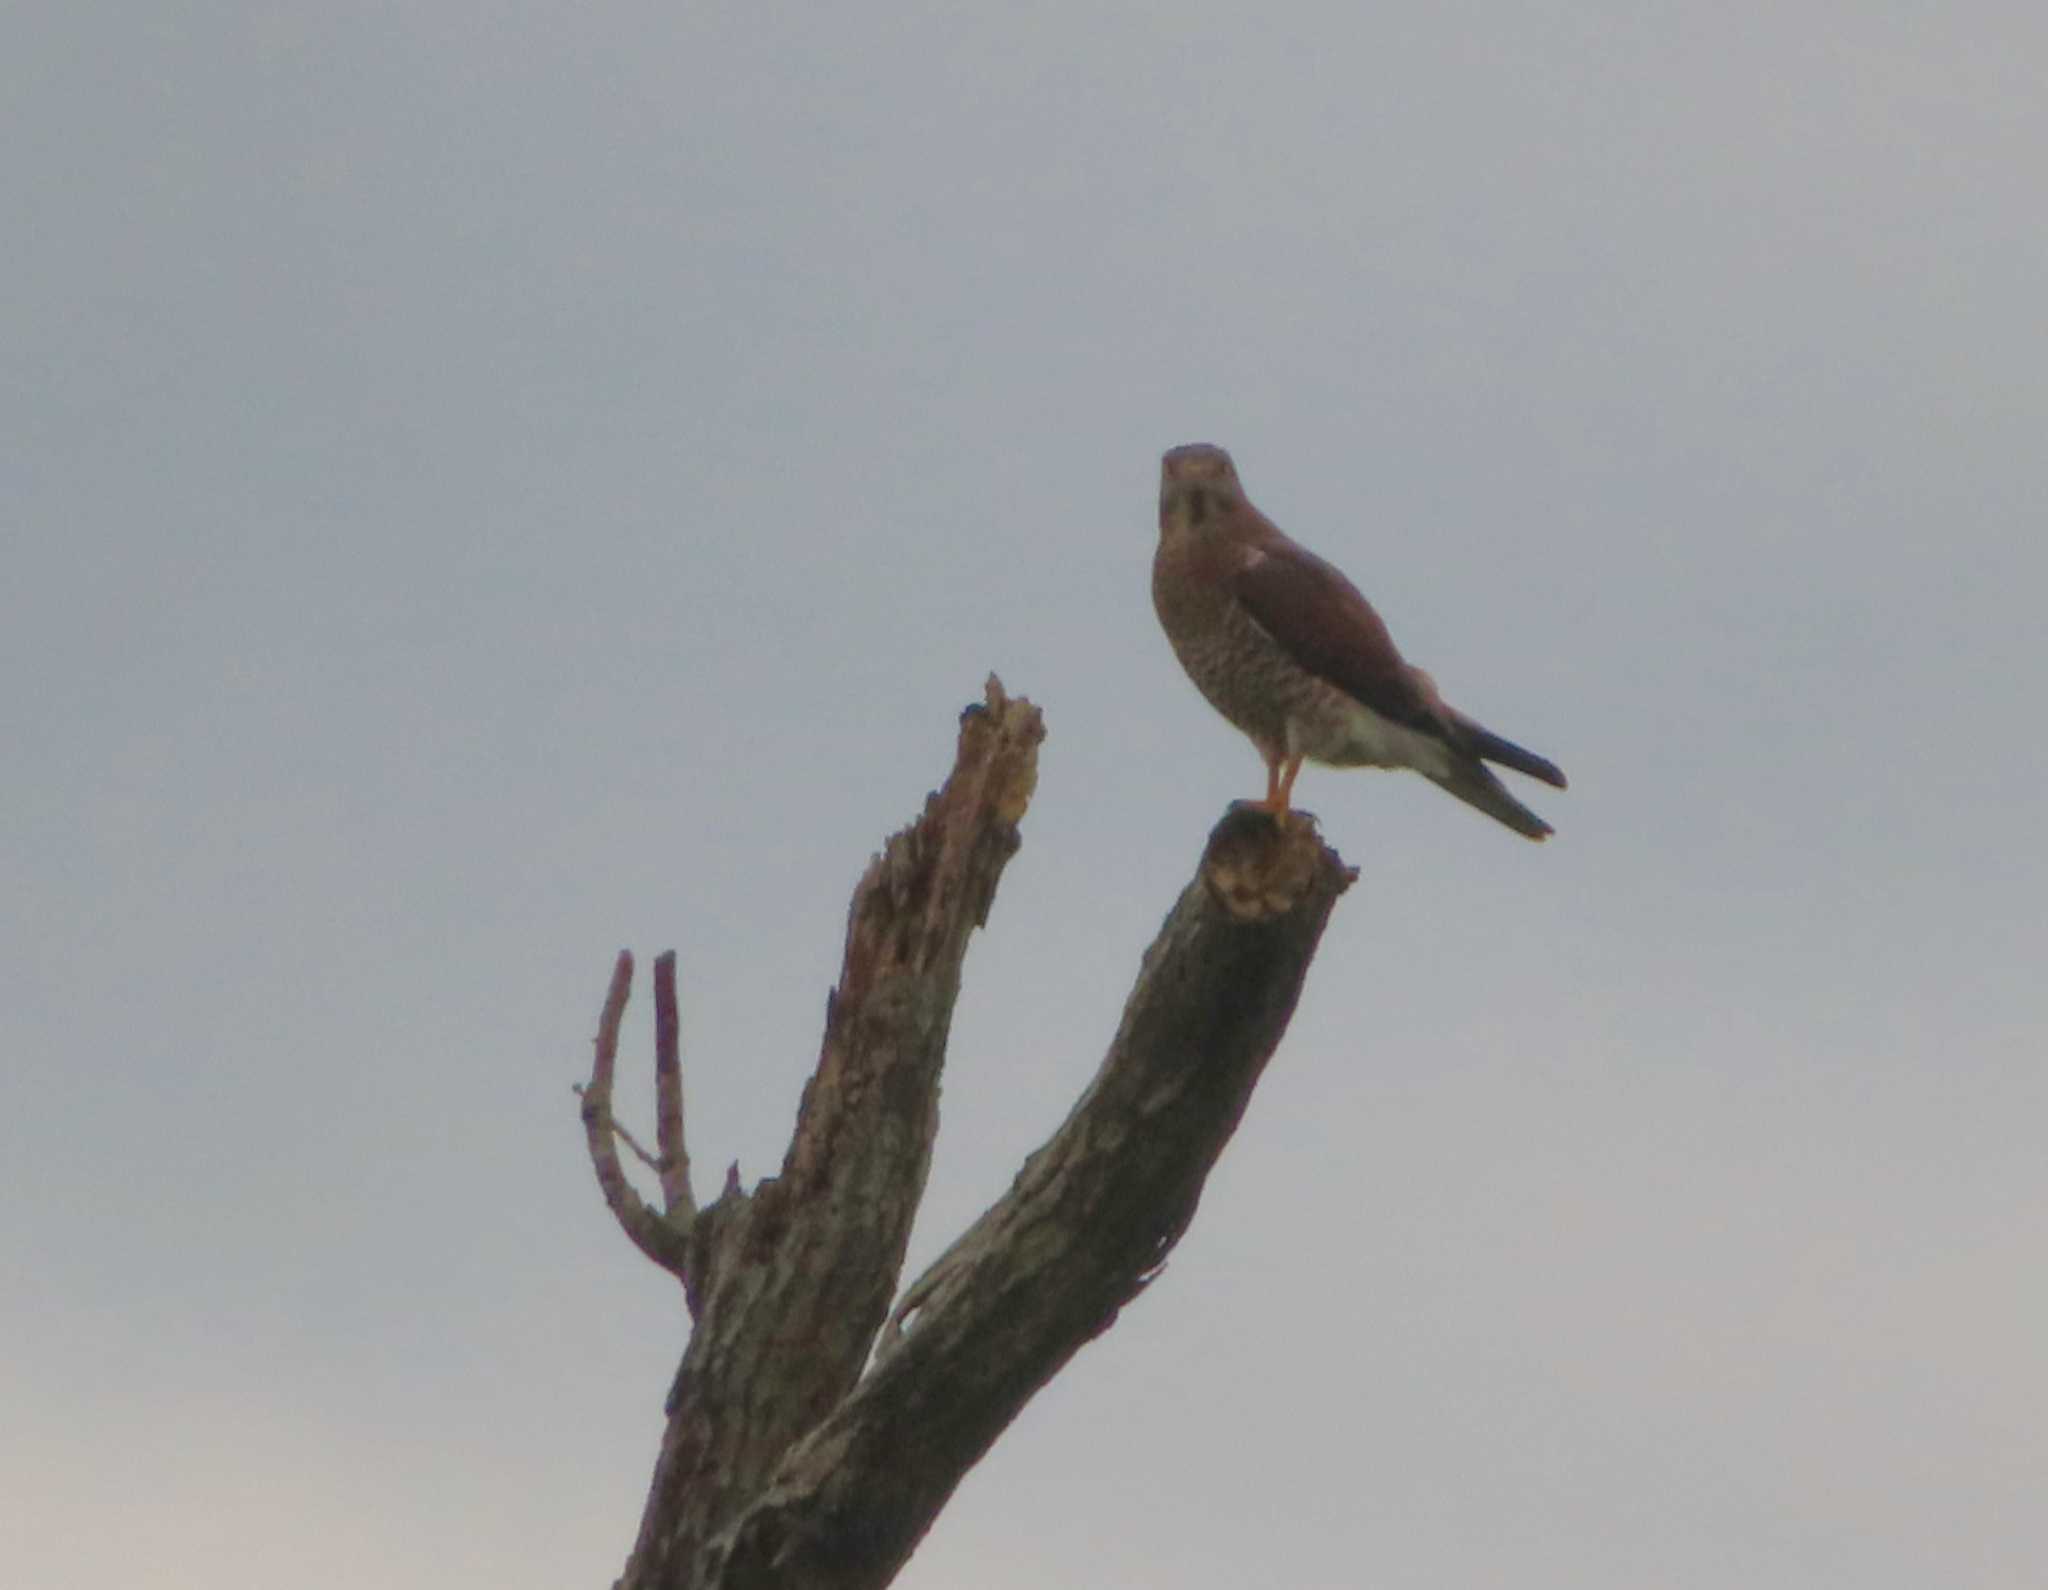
[(1284, 646)]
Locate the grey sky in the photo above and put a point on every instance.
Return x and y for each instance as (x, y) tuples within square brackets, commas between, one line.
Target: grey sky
[(489, 484)]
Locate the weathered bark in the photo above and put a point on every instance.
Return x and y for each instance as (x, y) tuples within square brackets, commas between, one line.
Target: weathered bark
[(783, 1465)]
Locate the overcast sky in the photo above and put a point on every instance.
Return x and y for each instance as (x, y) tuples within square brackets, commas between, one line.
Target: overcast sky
[(485, 485)]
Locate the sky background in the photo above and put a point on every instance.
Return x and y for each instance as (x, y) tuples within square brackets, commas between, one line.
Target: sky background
[(485, 485)]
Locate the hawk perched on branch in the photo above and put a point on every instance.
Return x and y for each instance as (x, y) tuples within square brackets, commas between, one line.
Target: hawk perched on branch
[(1284, 646)]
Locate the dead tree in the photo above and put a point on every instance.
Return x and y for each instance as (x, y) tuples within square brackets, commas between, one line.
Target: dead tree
[(813, 1433)]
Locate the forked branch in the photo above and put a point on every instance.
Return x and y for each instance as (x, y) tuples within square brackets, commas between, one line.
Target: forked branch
[(790, 1459), (1084, 1229), (665, 1244)]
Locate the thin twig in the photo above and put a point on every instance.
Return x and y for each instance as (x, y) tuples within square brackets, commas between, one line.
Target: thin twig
[(624, 1136), (663, 1243), (673, 1167)]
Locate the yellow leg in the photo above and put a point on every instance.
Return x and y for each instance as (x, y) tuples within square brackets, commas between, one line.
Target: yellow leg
[(1287, 777), (1281, 772), (1276, 797)]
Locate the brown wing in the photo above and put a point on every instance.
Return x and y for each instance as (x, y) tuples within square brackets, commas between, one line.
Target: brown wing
[(1323, 623)]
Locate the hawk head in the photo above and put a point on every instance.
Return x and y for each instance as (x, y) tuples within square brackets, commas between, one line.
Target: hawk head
[(1197, 488)]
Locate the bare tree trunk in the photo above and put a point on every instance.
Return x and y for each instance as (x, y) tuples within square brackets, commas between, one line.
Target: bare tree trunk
[(783, 1464)]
